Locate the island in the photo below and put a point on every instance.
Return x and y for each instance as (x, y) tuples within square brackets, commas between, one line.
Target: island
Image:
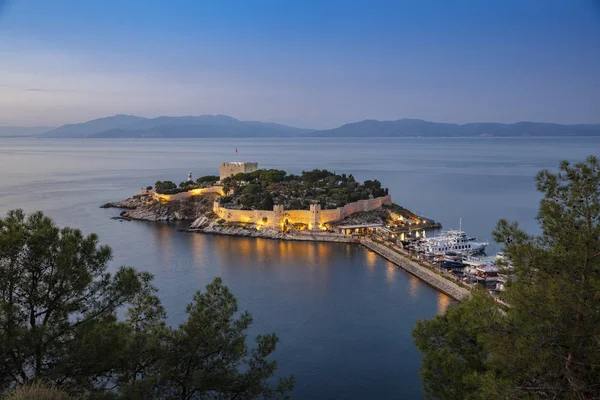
[(243, 200)]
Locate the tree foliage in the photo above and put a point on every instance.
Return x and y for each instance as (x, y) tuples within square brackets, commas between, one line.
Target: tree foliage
[(547, 343), (207, 180), (59, 325), (165, 187), (263, 188)]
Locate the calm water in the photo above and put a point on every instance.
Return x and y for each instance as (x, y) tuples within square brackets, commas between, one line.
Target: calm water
[(343, 315)]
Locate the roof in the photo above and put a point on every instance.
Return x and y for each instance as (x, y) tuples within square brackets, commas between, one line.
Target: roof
[(359, 226), (239, 163)]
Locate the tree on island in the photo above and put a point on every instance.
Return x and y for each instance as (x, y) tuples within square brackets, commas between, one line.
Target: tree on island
[(254, 190), (59, 326), (165, 187), (546, 344), (207, 180)]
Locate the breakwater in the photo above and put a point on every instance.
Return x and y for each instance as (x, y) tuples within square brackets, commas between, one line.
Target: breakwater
[(431, 278), (437, 281)]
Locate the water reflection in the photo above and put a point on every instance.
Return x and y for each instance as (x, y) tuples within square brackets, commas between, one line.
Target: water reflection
[(443, 302), (390, 272), (163, 240), (414, 285), (371, 260)]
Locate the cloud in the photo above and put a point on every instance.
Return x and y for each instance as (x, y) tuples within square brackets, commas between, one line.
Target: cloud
[(26, 89)]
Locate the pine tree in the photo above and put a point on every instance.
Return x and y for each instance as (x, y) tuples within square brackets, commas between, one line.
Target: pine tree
[(547, 343)]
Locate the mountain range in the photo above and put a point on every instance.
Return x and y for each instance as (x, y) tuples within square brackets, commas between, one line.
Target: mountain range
[(131, 126), (19, 131)]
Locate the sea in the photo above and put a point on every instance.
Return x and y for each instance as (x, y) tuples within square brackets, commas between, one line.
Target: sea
[(343, 314)]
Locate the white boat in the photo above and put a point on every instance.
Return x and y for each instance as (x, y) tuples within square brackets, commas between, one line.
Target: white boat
[(454, 241)]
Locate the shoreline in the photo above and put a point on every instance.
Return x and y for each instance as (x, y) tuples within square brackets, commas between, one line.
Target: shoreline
[(435, 280), (138, 208)]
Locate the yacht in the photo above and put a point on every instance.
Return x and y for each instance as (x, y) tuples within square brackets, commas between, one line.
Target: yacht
[(453, 241)]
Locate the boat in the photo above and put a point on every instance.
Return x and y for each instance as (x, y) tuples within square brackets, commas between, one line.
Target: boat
[(451, 264), (452, 242)]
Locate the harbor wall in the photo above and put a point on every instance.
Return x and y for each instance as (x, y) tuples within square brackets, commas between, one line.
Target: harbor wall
[(431, 278), (314, 218)]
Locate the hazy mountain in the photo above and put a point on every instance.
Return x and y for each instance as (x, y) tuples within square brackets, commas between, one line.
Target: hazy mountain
[(6, 131), (417, 127), (88, 128), (130, 126), (121, 126)]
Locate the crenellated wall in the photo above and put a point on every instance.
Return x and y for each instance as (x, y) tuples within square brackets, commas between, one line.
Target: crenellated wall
[(314, 218), (228, 169)]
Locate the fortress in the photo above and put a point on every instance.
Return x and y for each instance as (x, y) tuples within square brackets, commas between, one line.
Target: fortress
[(228, 169), (313, 218)]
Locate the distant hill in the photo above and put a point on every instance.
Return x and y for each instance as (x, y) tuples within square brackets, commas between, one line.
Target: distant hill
[(417, 127), (88, 128), (129, 126), (13, 131)]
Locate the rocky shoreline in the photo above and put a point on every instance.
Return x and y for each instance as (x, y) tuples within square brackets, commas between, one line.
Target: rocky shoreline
[(146, 208), (198, 210)]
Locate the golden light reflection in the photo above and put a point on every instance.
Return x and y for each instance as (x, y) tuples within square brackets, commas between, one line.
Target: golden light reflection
[(414, 285), (312, 255), (164, 241), (443, 302), (323, 250), (371, 259), (390, 273)]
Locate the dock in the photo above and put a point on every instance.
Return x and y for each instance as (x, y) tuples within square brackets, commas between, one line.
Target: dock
[(428, 276)]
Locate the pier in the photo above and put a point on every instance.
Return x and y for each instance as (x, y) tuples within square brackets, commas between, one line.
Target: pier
[(428, 276)]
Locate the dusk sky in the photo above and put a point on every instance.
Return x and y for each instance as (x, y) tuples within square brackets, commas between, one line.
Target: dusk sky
[(305, 63)]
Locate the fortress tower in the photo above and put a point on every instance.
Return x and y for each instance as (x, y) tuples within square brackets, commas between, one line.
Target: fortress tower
[(228, 169)]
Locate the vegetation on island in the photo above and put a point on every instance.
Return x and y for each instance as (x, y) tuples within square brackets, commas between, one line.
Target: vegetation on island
[(60, 328), (169, 187), (546, 344), (263, 188)]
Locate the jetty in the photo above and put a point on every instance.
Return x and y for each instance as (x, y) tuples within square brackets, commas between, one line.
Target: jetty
[(316, 206), (437, 281)]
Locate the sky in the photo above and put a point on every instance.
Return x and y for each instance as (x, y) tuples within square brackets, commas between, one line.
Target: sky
[(315, 64)]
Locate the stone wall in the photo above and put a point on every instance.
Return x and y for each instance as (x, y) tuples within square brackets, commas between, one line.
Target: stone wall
[(183, 195), (258, 217), (228, 169), (313, 218)]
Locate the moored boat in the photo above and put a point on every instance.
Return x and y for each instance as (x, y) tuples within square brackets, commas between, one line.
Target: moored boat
[(454, 242)]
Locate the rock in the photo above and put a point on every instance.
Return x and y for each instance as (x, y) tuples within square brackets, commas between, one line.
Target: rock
[(200, 223), (147, 208), (130, 203), (215, 228)]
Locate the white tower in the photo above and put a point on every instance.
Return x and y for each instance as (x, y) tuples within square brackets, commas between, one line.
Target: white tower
[(189, 176)]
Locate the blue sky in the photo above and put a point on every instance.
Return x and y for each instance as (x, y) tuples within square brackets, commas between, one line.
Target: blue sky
[(305, 63)]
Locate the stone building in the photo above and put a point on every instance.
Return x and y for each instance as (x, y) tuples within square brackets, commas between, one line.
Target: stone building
[(228, 169), (314, 218)]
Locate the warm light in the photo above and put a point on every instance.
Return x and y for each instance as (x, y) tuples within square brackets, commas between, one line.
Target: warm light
[(164, 197), (196, 192)]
